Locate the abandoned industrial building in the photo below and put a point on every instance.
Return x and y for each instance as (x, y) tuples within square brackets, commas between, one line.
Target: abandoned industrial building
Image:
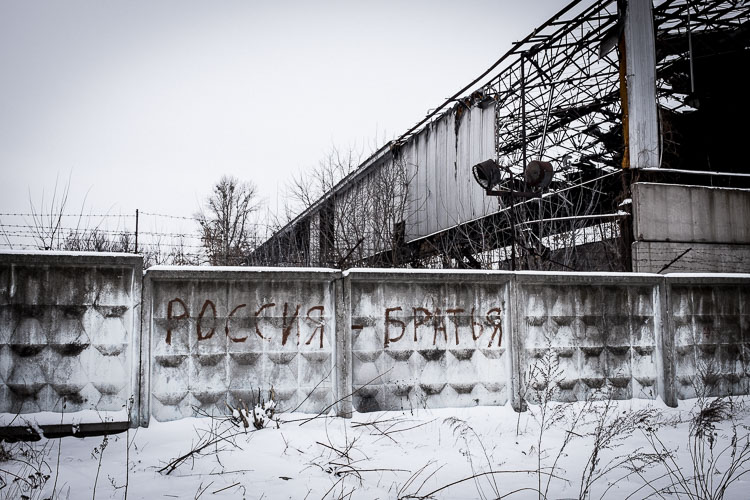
[(609, 139)]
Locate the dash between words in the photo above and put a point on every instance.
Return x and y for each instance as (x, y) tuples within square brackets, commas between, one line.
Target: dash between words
[(396, 322)]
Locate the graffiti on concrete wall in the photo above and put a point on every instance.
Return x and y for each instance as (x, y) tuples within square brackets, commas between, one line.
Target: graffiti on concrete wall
[(305, 327), (423, 319), (307, 324)]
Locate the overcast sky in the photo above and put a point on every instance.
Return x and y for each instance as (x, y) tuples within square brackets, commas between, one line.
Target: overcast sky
[(147, 103)]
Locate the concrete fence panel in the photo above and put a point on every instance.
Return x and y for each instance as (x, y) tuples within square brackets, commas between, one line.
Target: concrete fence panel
[(709, 317), (429, 339), (72, 329), (603, 331), (69, 332), (220, 335)]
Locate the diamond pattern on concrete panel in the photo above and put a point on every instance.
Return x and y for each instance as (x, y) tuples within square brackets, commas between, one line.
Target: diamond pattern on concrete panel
[(366, 339), (5, 284), (6, 363), (30, 285), (429, 345), (112, 286), (9, 317), (315, 368), (208, 380), (368, 367), (245, 374), (709, 340), (28, 383), (169, 382), (78, 283), (596, 336), (252, 338), (29, 337), (58, 345), (67, 377)]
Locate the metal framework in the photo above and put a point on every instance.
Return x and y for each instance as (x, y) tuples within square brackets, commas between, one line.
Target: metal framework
[(560, 95), (559, 98), (692, 30)]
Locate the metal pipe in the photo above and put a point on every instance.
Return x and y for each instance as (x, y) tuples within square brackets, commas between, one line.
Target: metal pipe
[(136, 230)]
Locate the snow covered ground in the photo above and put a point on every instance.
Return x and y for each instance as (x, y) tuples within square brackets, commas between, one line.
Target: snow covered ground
[(483, 452)]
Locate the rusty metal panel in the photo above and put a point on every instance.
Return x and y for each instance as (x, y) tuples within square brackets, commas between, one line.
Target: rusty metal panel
[(442, 191)]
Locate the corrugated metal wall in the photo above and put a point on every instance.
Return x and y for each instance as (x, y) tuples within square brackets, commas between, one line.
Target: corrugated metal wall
[(443, 192), (441, 189)]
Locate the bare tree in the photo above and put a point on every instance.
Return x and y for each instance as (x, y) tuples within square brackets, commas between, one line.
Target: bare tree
[(362, 222), (46, 219), (309, 185), (87, 232), (226, 229)]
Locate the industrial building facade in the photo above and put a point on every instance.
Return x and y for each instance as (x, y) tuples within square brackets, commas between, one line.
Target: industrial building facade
[(611, 94)]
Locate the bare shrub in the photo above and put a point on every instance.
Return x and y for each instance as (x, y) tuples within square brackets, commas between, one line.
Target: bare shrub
[(222, 430), (24, 470), (718, 445)]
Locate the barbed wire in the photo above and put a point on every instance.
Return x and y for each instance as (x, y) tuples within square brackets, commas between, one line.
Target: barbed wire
[(167, 216), (72, 230), (45, 214), (55, 215), (49, 231)]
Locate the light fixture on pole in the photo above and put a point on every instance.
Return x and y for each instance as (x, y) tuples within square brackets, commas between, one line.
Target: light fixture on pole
[(487, 174), (537, 174)]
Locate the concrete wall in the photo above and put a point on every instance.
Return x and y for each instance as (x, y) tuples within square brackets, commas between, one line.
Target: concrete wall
[(69, 327), (429, 339), (653, 256), (605, 331), (701, 214), (709, 325), (217, 335), (709, 223), (359, 340)]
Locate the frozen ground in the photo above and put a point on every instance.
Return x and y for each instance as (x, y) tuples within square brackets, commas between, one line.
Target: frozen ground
[(401, 455)]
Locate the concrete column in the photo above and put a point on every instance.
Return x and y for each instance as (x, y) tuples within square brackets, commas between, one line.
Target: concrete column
[(144, 351), (665, 341), (640, 56), (342, 355), (515, 344), (136, 352)]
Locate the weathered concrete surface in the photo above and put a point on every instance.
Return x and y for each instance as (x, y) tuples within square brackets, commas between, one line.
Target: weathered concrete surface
[(69, 326), (709, 319), (652, 256), (429, 339), (603, 331), (220, 335), (690, 214)]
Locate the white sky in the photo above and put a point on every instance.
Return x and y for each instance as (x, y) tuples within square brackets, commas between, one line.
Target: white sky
[(148, 103)]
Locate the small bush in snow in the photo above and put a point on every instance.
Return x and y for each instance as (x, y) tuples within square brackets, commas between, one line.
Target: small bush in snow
[(262, 413)]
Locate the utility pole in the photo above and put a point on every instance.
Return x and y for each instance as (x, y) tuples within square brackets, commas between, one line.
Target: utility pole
[(136, 230)]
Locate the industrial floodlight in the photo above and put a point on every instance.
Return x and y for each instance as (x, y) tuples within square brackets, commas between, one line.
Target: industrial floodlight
[(538, 174), (487, 174)]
